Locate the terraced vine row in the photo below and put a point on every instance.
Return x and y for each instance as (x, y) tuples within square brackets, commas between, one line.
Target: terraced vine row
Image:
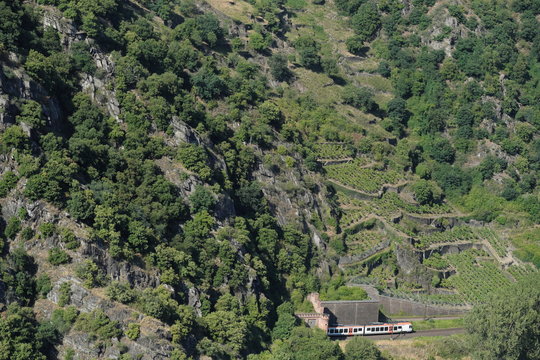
[(362, 179), (458, 233), (499, 244), (475, 280), (520, 272), (333, 151), (362, 241), (394, 203)]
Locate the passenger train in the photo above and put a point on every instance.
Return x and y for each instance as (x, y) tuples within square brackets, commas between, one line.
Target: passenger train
[(370, 329)]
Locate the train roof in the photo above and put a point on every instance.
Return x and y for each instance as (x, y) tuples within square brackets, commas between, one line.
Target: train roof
[(373, 323)]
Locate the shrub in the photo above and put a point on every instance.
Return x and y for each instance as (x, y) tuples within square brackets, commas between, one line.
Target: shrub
[(195, 158), (43, 285), (27, 233), (202, 199), (133, 331), (68, 237), (360, 348), (47, 230), (64, 294), (63, 319), (121, 292), (426, 192), (90, 273), (58, 256), (13, 227), (32, 114), (360, 98), (308, 49), (278, 67), (98, 325), (7, 183)]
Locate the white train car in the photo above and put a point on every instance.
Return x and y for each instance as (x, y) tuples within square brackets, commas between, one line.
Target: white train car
[(370, 329)]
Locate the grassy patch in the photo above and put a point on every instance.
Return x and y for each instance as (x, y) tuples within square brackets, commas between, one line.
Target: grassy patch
[(375, 82), (320, 85), (440, 347), (344, 293), (296, 4), (238, 11), (437, 324), (528, 246)]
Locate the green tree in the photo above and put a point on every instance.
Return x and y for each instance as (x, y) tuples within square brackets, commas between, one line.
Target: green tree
[(515, 308), (366, 21), (225, 327), (360, 98), (278, 67), (306, 343), (18, 335), (81, 205), (8, 181), (426, 192), (308, 49), (258, 41), (32, 114), (202, 199), (208, 84), (285, 323), (15, 138)]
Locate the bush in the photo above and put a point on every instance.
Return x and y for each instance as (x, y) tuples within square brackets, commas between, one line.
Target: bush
[(360, 348), (133, 331), (7, 183), (43, 285), (68, 237), (355, 44), (202, 199), (63, 319), (441, 150), (195, 158), (58, 256), (98, 325), (90, 273), (27, 233), (426, 192), (47, 230), (121, 292), (32, 114), (360, 98), (308, 49), (278, 67), (13, 227), (14, 138), (64, 294)]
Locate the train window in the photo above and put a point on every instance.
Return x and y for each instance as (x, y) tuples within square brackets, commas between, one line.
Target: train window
[(368, 329), (386, 328), (331, 331), (377, 329), (399, 327)]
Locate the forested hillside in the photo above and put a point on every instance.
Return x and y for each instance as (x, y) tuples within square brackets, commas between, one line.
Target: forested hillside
[(177, 175)]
